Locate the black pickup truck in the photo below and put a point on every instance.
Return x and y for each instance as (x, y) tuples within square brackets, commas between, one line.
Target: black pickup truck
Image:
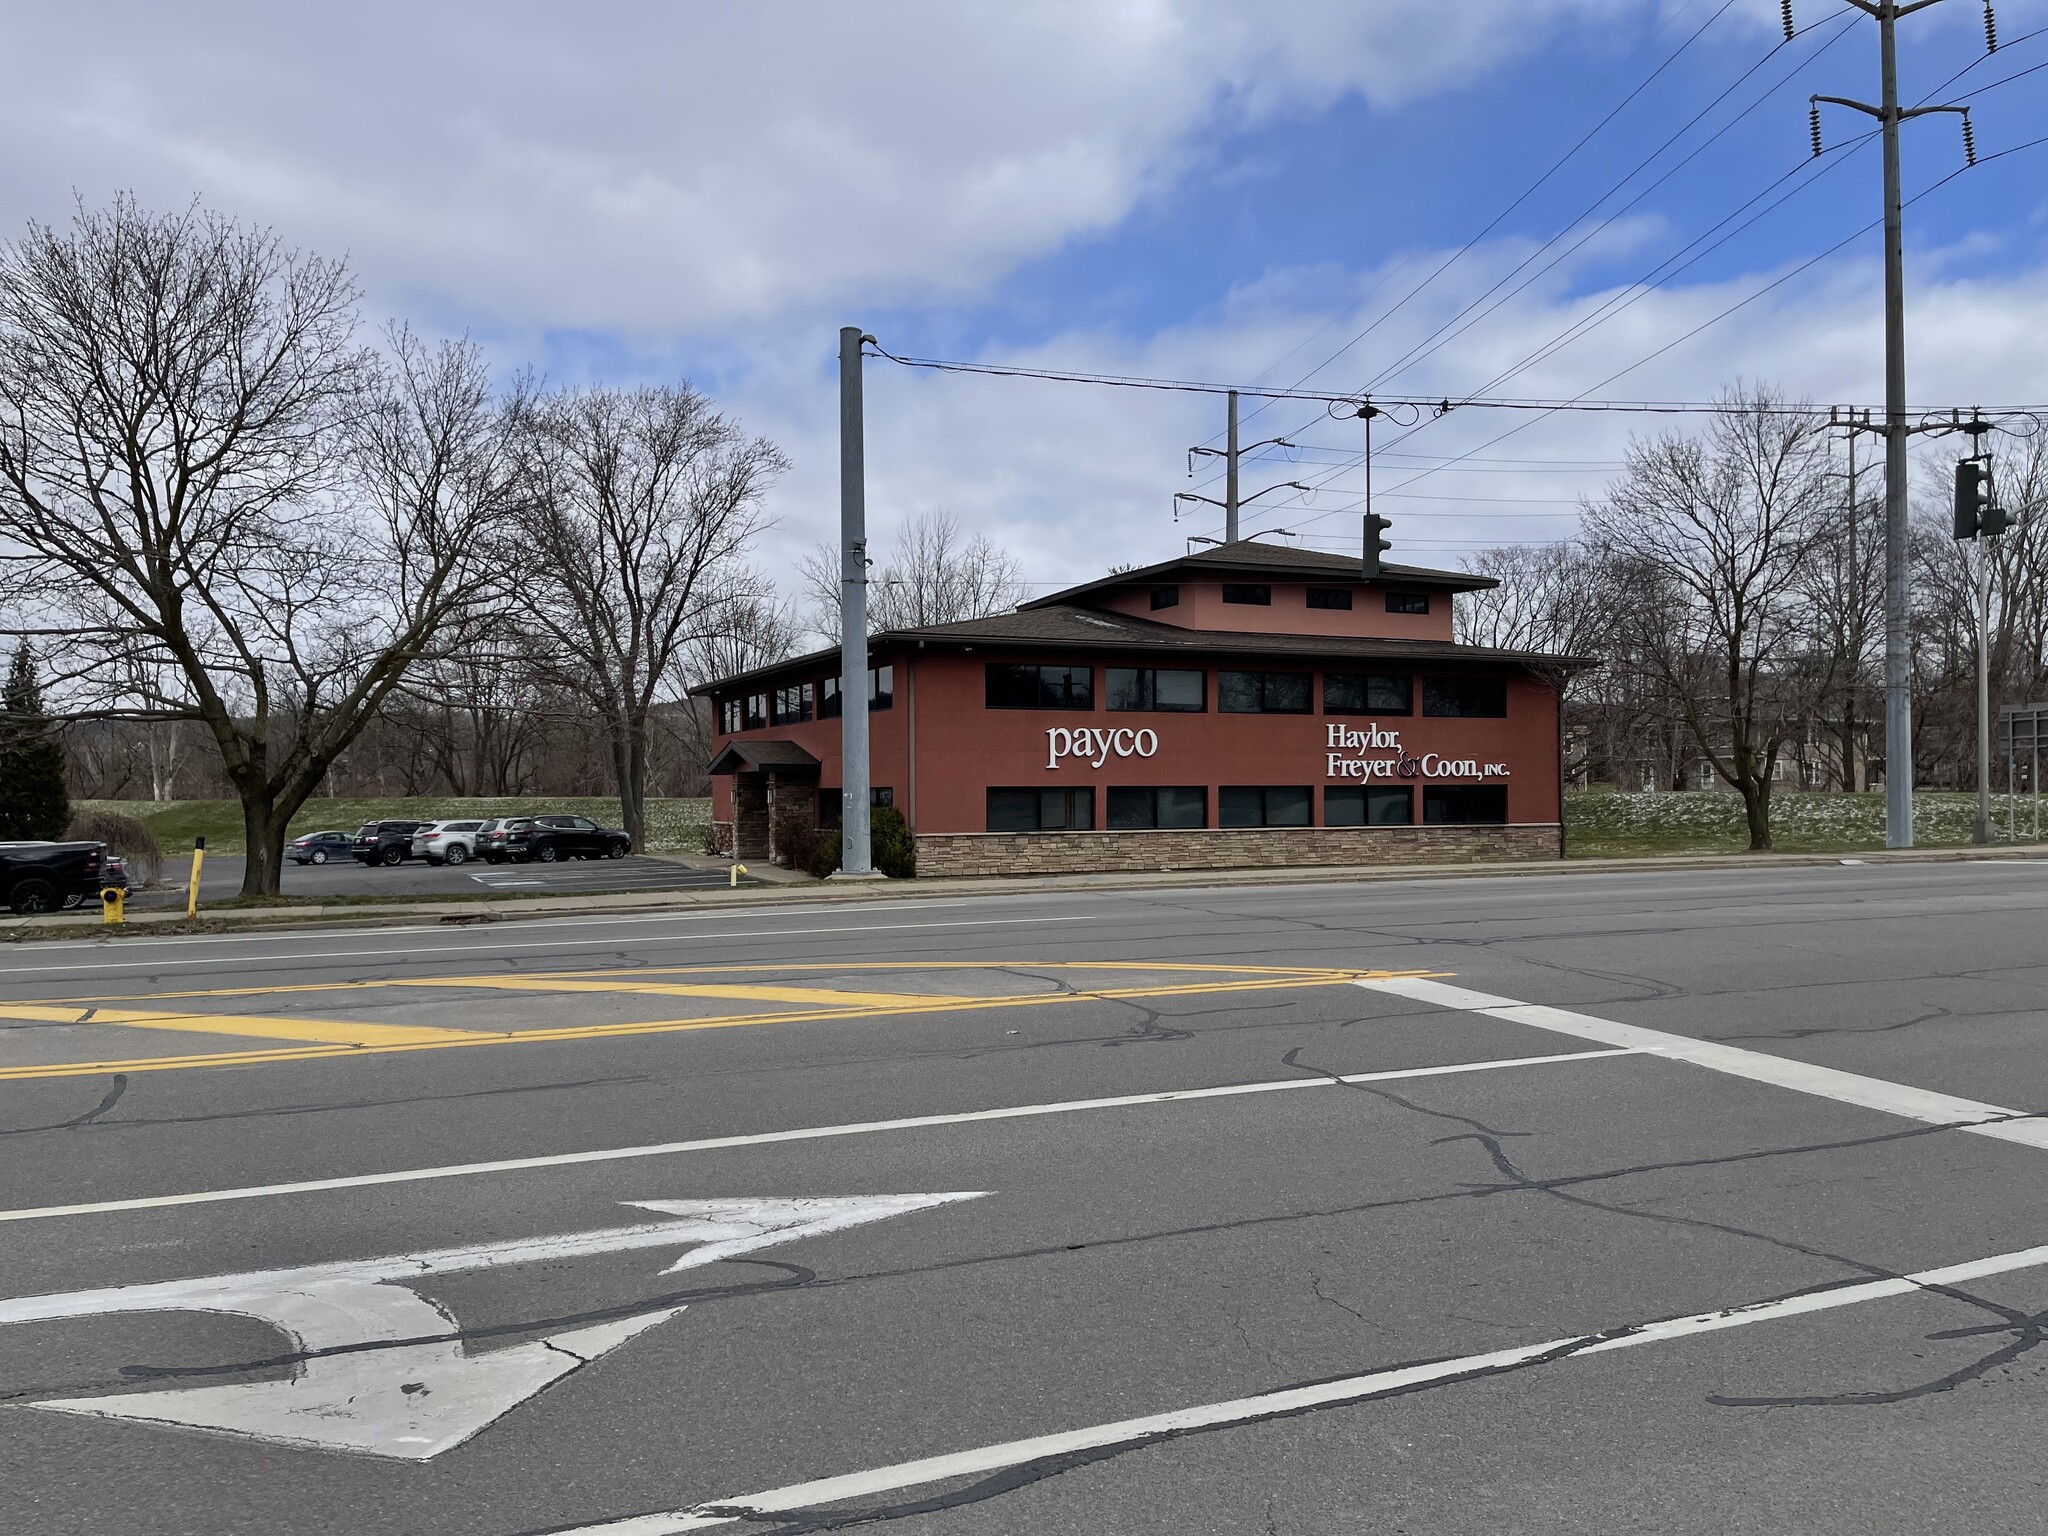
[(41, 877)]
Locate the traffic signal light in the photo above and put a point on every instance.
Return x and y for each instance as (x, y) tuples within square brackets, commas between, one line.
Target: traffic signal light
[(1973, 499), (1376, 543)]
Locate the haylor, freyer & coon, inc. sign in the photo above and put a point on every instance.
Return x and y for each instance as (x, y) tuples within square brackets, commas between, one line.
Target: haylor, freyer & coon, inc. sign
[(1350, 752)]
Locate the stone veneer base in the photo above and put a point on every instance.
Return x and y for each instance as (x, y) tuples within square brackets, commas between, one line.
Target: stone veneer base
[(1061, 853)]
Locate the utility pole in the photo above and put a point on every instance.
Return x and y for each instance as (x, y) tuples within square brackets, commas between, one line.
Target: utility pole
[(1231, 454), (856, 860), (1898, 653), (1230, 477)]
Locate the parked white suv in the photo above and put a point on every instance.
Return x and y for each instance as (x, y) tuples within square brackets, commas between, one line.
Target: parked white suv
[(446, 842)]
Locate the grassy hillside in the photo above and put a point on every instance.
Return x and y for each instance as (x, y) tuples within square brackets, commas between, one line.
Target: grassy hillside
[(1609, 824), (673, 826)]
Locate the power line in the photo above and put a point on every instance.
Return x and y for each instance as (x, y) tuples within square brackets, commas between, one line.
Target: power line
[(1430, 343), (1495, 221)]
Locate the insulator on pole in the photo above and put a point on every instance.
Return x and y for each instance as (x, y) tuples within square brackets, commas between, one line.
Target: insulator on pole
[(1990, 28), (1790, 30), (1813, 122), (1969, 139)]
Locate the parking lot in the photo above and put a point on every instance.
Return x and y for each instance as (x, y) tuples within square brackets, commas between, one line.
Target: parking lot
[(221, 877)]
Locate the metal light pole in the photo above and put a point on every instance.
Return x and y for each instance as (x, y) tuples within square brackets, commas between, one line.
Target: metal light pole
[(856, 860)]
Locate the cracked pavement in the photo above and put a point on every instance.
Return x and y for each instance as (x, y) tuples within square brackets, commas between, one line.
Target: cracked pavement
[(1125, 1262)]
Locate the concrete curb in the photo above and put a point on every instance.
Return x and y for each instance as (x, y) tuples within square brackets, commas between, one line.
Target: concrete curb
[(467, 913)]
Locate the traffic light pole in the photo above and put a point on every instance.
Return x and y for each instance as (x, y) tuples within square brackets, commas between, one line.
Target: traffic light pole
[(1981, 833)]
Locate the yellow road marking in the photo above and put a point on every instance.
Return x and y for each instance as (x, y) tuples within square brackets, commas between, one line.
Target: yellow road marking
[(450, 1038), (730, 992), (628, 979), (326, 1031)]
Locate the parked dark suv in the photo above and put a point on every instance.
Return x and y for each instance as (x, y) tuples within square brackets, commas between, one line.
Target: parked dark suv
[(385, 842), (544, 839)]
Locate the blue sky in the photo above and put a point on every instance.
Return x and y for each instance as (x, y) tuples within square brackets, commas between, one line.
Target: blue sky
[(1182, 187)]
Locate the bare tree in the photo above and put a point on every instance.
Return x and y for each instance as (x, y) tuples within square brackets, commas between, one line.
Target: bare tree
[(229, 510), (935, 576), (640, 503), (1712, 536)]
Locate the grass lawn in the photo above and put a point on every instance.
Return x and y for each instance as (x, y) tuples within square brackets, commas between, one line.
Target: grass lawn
[(1611, 824), (673, 826)]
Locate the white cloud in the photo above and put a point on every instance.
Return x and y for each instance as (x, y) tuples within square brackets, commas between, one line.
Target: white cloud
[(694, 166), (1074, 479)]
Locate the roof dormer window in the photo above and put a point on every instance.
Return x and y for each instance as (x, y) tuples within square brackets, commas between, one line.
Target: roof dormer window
[(1330, 597), (1251, 595)]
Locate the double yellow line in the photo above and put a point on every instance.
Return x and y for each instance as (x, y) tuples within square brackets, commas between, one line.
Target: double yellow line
[(330, 1038)]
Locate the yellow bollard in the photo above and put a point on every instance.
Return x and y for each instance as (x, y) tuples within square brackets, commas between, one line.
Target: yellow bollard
[(192, 894), (113, 905), (737, 871)]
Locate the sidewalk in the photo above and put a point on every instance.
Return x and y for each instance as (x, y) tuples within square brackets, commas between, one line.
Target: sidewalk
[(791, 890)]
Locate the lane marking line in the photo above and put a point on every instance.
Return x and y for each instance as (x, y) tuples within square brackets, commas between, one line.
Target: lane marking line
[(452, 1039), (729, 991), (483, 946), (324, 1031), (633, 974), (1287, 1401), (769, 1138), (1801, 1077)]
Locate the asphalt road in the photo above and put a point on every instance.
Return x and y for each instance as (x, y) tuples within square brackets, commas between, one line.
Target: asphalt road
[(1689, 1202), (221, 876)]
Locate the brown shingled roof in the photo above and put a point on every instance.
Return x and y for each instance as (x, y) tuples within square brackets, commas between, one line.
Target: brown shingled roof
[(1250, 557)]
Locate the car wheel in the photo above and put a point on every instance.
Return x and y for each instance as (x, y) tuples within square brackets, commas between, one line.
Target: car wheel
[(393, 857), (319, 856), (71, 902), (615, 851), (32, 895), (456, 854), (546, 853)]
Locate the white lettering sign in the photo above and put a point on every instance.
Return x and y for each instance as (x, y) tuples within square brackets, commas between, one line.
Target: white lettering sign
[(1347, 746), (1096, 745)]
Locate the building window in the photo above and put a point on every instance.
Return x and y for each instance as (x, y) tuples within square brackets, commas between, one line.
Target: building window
[(1330, 597), (1041, 810), (754, 715), (881, 693), (1361, 805), (1407, 602), (1137, 807), (1359, 693), (1165, 597), (1239, 805), (1472, 698), (1014, 685), (792, 705), (1464, 804), (1252, 595), (1166, 689), (1262, 693), (728, 716), (832, 803)]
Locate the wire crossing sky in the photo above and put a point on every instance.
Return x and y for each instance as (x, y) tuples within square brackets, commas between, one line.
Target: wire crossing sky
[(1548, 203)]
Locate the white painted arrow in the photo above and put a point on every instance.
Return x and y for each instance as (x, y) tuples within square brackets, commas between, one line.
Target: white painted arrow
[(383, 1376)]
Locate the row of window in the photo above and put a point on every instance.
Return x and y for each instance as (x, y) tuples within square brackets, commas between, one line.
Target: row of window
[(795, 703), (1142, 807), (1258, 594), (1184, 690)]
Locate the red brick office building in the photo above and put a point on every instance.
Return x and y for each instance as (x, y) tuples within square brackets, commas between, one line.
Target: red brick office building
[(1248, 705)]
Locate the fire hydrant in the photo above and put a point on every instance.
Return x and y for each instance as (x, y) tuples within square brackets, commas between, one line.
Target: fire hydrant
[(113, 905)]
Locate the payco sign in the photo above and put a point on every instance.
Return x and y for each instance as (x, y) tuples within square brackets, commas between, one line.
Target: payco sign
[(1375, 752)]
